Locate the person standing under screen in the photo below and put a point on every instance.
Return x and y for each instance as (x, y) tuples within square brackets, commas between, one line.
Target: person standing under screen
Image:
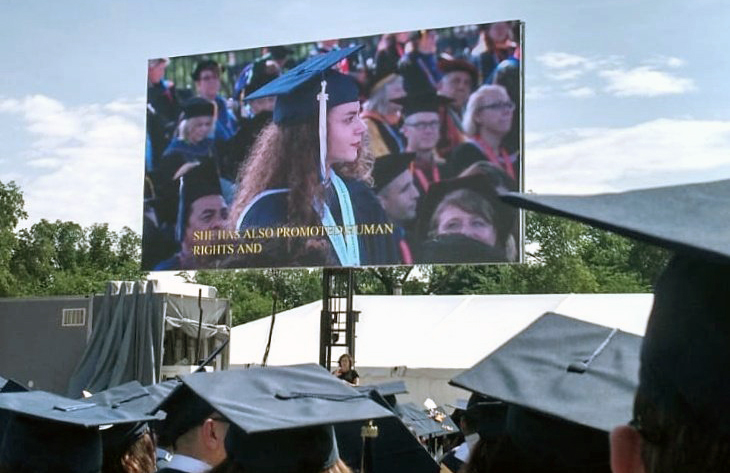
[(346, 370)]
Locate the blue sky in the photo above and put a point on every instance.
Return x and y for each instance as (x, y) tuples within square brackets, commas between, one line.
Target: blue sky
[(619, 94)]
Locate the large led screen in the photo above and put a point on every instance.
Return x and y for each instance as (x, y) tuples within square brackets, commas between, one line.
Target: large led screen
[(388, 149)]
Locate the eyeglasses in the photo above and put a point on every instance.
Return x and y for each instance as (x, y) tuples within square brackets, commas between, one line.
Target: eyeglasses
[(500, 106), (208, 77), (420, 126)]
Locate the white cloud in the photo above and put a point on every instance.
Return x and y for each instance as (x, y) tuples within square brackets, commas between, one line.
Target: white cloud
[(561, 60), (581, 92), (583, 76), (84, 163), (645, 81), (653, 153)]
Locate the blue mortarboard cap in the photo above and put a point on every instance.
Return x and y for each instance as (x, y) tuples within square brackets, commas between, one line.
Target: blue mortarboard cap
[(297, 89), (44, 432), (281, 416)]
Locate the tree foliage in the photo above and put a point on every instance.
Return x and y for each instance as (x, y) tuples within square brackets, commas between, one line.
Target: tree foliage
[(251, 291), (60, 258)]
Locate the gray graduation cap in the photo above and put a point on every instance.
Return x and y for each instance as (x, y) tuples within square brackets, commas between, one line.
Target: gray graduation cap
[(566, 384), (131, 397), (44, 432), (281, 417), (394, 450), (560, 366), (310, 89), (686, 348), (693, 219)]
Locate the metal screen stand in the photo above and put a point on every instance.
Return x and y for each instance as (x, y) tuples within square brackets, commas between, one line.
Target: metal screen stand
[(337, 322)]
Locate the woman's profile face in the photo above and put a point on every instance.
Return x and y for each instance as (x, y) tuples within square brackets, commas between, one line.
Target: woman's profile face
[(199, 128), (455, 220), (345, 132)]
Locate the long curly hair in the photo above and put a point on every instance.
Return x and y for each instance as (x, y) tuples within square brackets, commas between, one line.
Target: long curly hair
[(287, 156)]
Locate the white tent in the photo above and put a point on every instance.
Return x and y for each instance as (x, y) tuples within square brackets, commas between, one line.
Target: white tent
[(426, 340)]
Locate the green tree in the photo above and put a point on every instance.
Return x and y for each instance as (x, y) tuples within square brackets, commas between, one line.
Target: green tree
[(11, 213), (251, 291)]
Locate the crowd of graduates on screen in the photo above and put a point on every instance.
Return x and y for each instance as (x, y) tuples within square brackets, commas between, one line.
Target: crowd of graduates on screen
[(435, 140)]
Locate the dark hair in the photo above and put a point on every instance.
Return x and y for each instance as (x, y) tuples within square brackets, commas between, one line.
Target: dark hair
[(673, 442), (349, 357)]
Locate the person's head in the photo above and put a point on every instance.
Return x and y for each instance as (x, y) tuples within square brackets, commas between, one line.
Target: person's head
[(208, 212), (394, 187), (458, 80), (456, 85), (282, 418), (399, 198), (421, 130), (198, 119), (261, 73), (499, 33), (421, 121), (206, 440), (287, 151), (345, 362), (193, 427), (201, 205), (156, 69), (467, 213), (345, 133), (385, 90), (489, 110), (139, 456), (680, 414), (207, 78)]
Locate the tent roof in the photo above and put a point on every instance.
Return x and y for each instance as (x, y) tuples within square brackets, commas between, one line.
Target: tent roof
[(430, 331)]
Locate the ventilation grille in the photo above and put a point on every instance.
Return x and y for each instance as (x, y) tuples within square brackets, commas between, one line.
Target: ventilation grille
[(74, 317)]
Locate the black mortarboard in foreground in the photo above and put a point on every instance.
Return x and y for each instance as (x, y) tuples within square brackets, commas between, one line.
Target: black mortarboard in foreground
[(197, 107), (686, 348), (297, 89), (693, 219), (567, 384), (560, 366), (394, 450), (390, 166), (44, 432), (421, 102), (281, 416)]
